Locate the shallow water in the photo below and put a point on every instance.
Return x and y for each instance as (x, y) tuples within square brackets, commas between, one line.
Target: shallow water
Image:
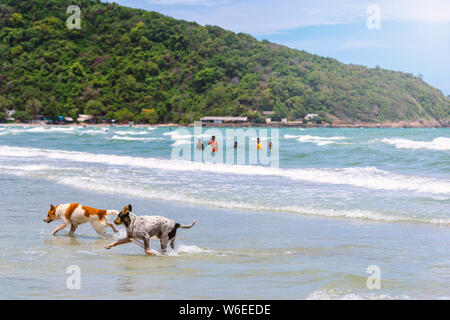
[(342, 200)]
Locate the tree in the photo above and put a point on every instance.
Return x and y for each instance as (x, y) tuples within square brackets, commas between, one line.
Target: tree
[(77, 70), (17, 51), (73, 113), (94, 107), (148, 116), (22, 116), (16, 19), (33, 107), (205, 78), (129, 58), (295, 104), (123, 115)]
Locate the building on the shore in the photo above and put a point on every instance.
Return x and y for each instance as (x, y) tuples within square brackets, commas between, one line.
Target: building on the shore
[(220, 120), (311, 116), (268, 115), (86, 118), (9, 114), (62, 119)]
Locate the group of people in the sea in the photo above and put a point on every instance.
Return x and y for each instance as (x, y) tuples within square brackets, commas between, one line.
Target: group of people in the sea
[(215, 145)]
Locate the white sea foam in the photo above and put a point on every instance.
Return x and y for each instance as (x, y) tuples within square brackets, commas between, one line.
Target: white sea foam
[(91, 131), (177, 135), (180, 142), (440, 143), (94, 181), (180, 139), (13, 131), (67, 130), (366, 177), (320, 141), (37, 167), (51, 129), (134, 138), (180, 249), (322, 294), (290, 136), (183, 249), (125, 133)]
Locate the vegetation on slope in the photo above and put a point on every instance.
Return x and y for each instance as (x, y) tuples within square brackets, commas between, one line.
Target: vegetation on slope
[(132, 64)]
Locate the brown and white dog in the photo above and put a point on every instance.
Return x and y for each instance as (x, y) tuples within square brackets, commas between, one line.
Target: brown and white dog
[(76, 214)]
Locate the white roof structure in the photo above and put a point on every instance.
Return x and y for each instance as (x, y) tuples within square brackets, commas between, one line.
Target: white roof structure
[(85, 117), (243, 119), (311, 115)]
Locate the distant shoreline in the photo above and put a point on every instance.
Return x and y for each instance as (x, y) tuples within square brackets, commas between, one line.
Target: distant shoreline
[(400, 124)]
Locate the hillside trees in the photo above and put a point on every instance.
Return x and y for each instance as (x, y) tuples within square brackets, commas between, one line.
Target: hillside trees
[(127, 60)]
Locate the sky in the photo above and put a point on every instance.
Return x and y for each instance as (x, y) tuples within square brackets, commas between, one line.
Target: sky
[(404, 35)]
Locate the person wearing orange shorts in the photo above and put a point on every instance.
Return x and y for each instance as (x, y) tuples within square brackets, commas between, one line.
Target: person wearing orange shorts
[(214, 144)]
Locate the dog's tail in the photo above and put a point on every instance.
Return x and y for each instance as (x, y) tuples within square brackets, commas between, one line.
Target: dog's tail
[(190, 226), (111, 212)]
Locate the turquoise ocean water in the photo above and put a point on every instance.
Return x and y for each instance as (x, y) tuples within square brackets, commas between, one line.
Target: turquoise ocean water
[(341, 200)]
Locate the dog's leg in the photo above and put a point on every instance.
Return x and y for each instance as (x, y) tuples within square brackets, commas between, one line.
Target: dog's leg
[(73, 227), (147, 247), (164, 240), (172, 243), (99, 227), (116, 243), (59, 228), (109, 224)]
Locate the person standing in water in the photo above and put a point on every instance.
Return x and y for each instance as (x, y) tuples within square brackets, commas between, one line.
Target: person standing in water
[(214, 144), (200, 145), (258, 144)]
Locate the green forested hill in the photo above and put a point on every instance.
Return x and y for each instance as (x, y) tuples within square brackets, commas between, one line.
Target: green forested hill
[(125, 60)]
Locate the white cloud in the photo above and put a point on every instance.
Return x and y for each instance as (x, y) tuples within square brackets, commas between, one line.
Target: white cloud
[(419, 10)]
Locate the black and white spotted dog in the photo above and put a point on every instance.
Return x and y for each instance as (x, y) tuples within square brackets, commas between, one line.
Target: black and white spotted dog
[(145, 227)]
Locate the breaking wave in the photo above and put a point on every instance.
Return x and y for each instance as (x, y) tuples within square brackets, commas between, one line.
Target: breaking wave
[(365, 177), (440, 143), (91, 179), (320, 141), (116, 137)]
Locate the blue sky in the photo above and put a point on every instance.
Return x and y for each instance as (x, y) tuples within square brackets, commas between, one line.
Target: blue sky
[(413, 35)]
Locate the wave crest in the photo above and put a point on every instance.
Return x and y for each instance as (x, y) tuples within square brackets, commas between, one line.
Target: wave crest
[(440, 143)]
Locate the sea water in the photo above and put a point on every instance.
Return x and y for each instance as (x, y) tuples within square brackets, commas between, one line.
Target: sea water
[(340, 200)]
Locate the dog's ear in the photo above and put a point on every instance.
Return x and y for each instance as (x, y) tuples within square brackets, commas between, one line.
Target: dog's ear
[(52, 207), (130, 208)]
